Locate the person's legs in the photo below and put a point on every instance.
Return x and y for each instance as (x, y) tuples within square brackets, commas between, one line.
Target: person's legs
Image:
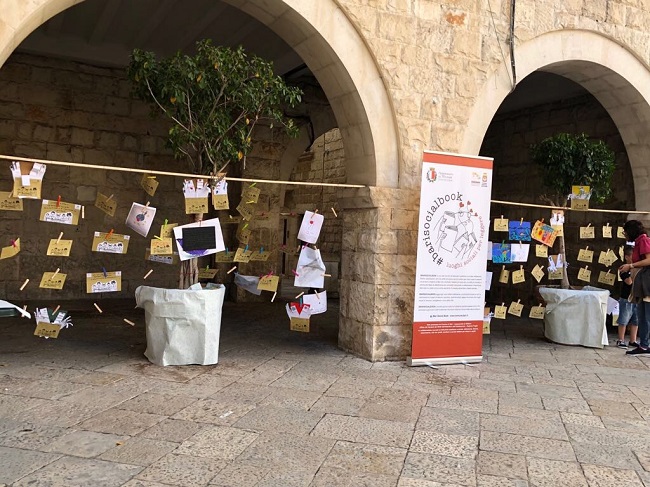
[(632, 325), (624, 317), (643, 314)]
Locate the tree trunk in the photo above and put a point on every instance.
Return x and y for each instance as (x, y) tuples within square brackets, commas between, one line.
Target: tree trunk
[(189, 271), (565, 275)]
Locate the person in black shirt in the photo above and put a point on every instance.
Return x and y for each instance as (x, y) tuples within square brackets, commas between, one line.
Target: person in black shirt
[(626, 309)]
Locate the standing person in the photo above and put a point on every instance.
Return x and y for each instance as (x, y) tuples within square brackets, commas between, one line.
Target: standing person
[(635, 231), (626, 309)]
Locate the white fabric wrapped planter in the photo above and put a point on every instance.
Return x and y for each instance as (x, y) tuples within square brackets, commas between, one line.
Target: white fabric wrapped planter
[(576, 316), (183, 326)]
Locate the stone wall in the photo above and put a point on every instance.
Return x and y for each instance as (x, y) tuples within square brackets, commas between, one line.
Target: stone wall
[(60, 110)]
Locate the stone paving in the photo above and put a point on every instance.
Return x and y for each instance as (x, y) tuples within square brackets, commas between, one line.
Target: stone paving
[(287, 409)]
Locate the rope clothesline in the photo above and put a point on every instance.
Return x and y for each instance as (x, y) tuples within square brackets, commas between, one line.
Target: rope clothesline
[(176, 174), (597, 210), (273, 181)]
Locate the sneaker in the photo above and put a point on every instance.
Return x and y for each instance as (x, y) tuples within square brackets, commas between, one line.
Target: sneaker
[(634, 344), (620, 344), (638, 351)]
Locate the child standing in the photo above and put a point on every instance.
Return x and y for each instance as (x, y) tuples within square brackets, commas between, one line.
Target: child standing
[(627, 310)]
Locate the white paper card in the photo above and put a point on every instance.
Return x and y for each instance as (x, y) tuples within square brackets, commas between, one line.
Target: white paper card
[(317, 302), (218, 236), (310, 227), (310, 269), (249, 283), (519, 252), (140, 218)]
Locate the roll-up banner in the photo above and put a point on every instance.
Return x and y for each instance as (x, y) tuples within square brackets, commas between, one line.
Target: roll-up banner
[(451, 259)]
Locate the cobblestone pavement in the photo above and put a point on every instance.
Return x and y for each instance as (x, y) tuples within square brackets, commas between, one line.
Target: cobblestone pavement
[(288, 409)]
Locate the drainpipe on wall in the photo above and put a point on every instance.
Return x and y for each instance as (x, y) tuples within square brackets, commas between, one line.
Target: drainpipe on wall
[(512, 45)]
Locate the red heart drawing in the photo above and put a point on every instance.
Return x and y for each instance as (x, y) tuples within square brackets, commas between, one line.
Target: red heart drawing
[(469, 202), (461, 204), (311, 222)]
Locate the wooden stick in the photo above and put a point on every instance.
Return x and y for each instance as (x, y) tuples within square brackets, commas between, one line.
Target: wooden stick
[(274, 295), (299, 295), (129, 322), (56, 309), (98, 308), (234, 267), (59, 239), (24, 284), (148, 273), (55, 273)]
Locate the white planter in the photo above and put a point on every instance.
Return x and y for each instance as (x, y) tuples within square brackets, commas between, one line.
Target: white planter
[(183, 326), (576, 316)]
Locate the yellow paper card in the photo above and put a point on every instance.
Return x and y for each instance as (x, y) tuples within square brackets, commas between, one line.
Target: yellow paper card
[(587, 232), (66, 213), (559, 229), (607, 258), (247, 211), (115, 244), (607, 231), (556, 275), (500, 312), (10, 203), (244, 235), (518, 276), (97, 282), (504, 276), (486, 326), (500, 224), (584, 274), (52, 281), (585, 255), (167, 231), (107, 206), (207, 273), (236, 220), (621, 253), (48, 330), (299, 324), (620, 233), (242, 255), (537, 273), (515, 309), (537, 312), (224, 257), (607, 278), (59, 249), (196, 205), (541, 250), (33, 191), (149, 184), (220, 202), (260, 256), (161, 246), (269, 283), (250, 195), (580, 197), (11, 250)]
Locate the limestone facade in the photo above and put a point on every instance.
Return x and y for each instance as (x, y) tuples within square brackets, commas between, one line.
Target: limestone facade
[(403, 76)]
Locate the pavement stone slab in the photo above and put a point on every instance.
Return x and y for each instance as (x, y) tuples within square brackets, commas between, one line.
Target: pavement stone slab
[(496, 481), (599, 476), (281, 420), (449, 421), (291, 399), (328, 477), (214, 411), (582, 419), (364, 430), (523, 426), (121, 422), (81, 472), (87, 444), (183, 470), (458, 446), (239, 475), (426, 466), (464, 403), (15, 463), (243, 393), (604, 455), (526, 445), (160, 404), (372, 459), (218, 442), (502, 464), (139, 451), (338, 405), (173, 430), (31, 436)]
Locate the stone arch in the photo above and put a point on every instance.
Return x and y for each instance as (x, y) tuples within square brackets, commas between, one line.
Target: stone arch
[(326, 40), (618, 79)]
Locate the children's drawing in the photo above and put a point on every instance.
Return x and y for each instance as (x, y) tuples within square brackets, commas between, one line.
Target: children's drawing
[(519, 231), (501, 253)]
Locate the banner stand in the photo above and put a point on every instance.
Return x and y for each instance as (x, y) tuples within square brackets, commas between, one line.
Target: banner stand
[(451, 259)]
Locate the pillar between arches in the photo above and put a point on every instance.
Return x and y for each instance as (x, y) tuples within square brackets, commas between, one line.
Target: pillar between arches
[(378, 271)]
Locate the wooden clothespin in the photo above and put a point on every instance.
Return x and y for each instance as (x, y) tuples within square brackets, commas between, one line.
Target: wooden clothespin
[(295, 273), (274, 295), (108, 235), (13, 242), (521, 222), (231, 270), (59, 239), (24, 284), (58, 201), (55, 273), (588, 224), (147, 205), (56, 309), (334, 211), (104, 271), (299, 295), (129, 322), (83, 214), (98, 308), (109, 198), (315, 211), (148, 273)]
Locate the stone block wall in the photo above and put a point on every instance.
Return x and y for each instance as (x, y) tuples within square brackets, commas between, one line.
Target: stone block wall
[(67, 111)]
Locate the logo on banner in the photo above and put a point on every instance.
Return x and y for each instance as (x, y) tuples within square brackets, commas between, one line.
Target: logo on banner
[(432, 175), (453, 231)]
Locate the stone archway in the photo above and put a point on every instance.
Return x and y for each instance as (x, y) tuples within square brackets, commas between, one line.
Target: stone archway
[(613, 75), (326, 40)]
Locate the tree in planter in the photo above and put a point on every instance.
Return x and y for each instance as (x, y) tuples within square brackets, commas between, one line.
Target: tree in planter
[(566, 160), (214, 100)]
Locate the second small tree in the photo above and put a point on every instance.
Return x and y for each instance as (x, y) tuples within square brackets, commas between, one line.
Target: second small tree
[(566, 160)]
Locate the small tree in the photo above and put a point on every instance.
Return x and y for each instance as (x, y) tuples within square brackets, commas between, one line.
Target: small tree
[(214, 100), (566, 160)]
